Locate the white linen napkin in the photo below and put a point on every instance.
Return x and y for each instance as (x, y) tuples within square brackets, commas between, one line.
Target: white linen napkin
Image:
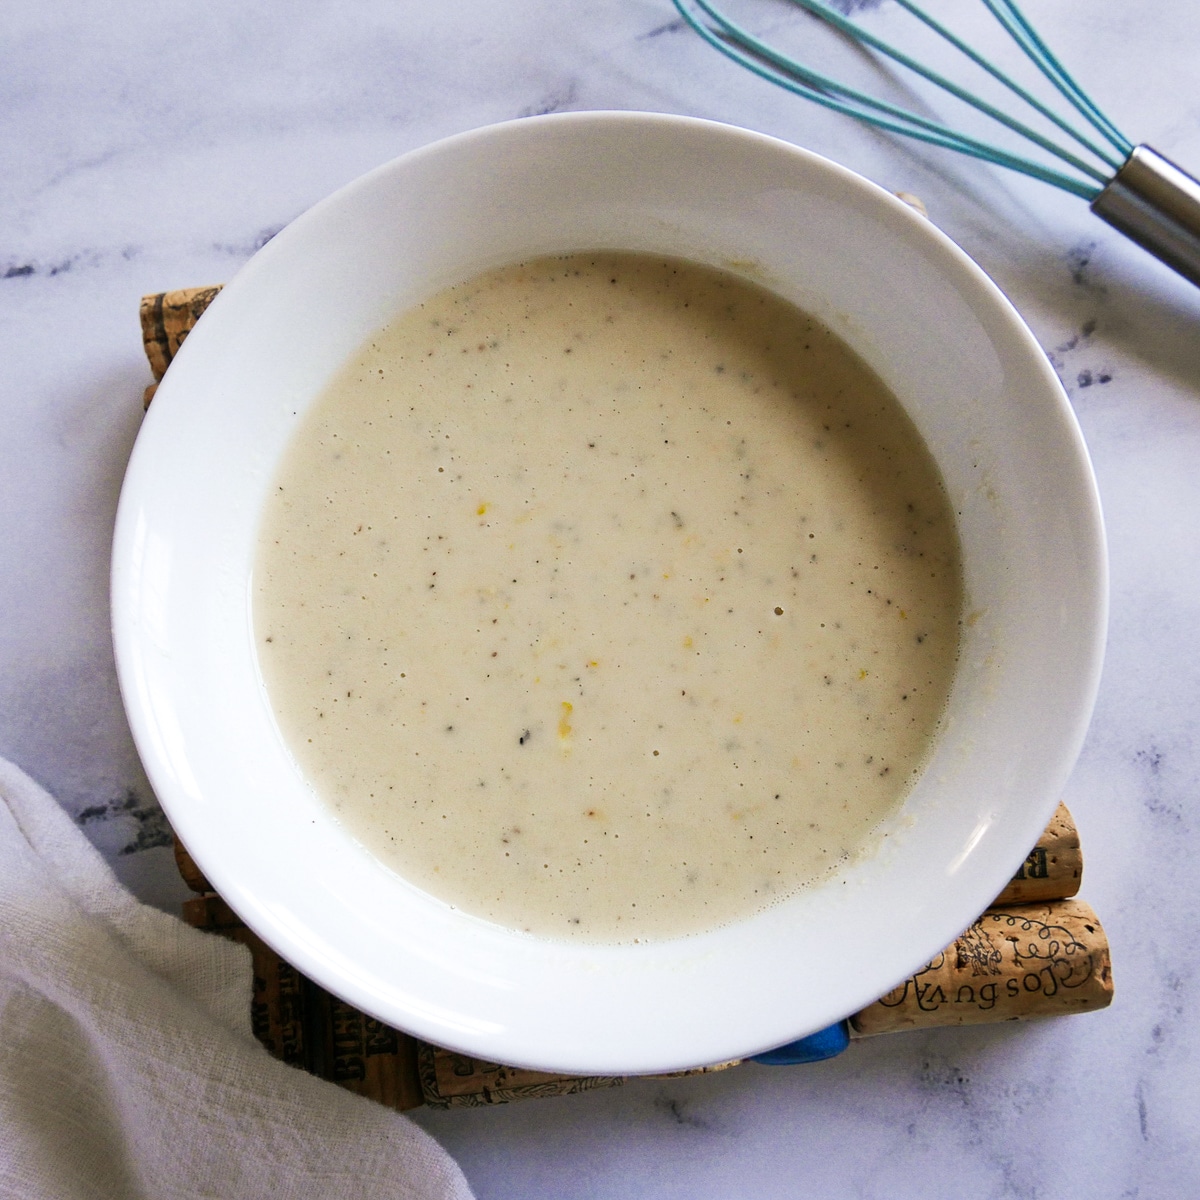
[(127, 1066)]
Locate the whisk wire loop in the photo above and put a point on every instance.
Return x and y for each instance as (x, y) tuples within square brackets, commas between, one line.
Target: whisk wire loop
[(853, 29), (970, 52), (1027, 37), (783, 71)]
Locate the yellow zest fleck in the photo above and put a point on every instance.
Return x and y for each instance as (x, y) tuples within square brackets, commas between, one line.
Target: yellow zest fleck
[(687, 643), (564, 722), (903, 615), (481, 509), (593, 662), (737, 718), (862, 674)]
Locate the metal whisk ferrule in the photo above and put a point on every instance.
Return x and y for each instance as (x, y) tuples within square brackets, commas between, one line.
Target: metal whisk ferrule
[(1156, 204)]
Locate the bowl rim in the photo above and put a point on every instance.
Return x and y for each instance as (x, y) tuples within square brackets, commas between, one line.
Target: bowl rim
[(189, 818)]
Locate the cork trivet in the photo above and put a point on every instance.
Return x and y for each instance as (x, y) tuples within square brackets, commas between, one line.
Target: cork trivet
[(1032, 960)]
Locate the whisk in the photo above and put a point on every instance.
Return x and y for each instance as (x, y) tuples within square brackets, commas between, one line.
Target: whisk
[(1134, 188)]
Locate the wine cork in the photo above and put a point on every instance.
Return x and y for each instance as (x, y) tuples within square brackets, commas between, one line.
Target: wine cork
[(1054, 868), (1032, 960), (167, 319), (450, 1080), (188, 871)]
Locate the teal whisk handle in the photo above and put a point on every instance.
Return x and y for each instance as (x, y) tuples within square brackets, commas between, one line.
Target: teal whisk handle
[(1156, 204)]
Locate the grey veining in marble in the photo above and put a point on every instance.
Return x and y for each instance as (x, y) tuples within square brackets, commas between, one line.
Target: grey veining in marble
[(145, 146)]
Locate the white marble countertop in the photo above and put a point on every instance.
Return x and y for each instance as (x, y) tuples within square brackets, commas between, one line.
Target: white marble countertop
[(145, 148)]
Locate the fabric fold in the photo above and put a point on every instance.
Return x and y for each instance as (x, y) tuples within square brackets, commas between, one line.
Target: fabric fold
[(127, 1067)]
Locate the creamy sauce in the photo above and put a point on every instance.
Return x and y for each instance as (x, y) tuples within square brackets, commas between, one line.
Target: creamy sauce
[(610, 597)]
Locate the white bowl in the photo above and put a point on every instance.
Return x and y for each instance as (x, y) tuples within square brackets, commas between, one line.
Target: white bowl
[(902, 295)]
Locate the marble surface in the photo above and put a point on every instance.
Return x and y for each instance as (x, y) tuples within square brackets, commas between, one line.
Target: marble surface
[(148, 147)]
